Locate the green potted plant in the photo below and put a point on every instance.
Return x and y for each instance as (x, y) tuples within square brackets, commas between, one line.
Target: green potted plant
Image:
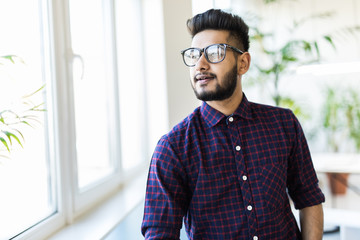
[(352, 111), (341, 123), (15, 116), (279, 56), (282, 61)]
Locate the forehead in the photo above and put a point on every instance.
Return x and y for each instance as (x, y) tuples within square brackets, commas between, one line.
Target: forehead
[(208, 37)]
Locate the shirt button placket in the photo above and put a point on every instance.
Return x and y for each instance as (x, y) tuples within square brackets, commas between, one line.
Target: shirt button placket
[(245, 185)]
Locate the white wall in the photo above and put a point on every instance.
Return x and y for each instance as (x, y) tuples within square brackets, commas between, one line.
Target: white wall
[(181, 98), (170, 95)]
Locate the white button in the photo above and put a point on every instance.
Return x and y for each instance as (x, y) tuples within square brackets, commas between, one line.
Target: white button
[(231, 119), (255, 238), (249, 207), (238, 148), (244, 178)]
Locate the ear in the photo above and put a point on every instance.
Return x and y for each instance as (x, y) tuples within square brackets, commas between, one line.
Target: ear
[(244, 63)]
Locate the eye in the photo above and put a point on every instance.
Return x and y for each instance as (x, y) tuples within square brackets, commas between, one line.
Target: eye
[(215, 53), (192, 53)]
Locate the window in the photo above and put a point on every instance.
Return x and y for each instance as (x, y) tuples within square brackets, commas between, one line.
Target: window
[(93, 130), (132, 92), (27, 179), (92, 90)]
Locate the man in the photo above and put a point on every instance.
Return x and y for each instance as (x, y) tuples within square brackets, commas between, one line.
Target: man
[(228, 168)]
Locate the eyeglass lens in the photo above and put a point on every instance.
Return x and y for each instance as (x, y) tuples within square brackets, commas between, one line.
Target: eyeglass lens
[(214, 54)]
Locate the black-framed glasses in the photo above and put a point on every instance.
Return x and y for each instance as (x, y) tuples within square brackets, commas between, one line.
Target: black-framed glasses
[(214, 53)]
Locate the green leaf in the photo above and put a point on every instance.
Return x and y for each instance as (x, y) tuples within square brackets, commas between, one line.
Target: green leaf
[(36, 91), (265, 70), (31, 118), (287, 58), (307, 46), (9, 57), (11, 135), (21, 135), (329, 40), (8, 136), (317, 49), (37, 108), (5, 143), (272, 53), (25, 122)]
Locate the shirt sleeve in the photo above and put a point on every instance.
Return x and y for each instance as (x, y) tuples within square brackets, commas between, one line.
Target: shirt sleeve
[(302, 180), (166, 199)]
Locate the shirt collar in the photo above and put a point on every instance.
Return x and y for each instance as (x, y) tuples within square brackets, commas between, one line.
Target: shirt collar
[(213, 116)]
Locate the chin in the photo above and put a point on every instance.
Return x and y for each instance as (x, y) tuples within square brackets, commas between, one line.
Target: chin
[(204, 92)]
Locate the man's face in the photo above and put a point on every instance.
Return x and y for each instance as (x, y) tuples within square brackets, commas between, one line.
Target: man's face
[(213, 81)]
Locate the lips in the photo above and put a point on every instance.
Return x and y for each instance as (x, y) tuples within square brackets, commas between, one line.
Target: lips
[(204, 78)]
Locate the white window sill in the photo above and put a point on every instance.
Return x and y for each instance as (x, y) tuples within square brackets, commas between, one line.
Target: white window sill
[(97, 223)]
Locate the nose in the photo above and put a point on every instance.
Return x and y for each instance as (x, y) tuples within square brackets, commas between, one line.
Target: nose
[(202, 63)]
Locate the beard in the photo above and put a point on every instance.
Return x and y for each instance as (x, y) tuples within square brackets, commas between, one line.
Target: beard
[(221, 92)]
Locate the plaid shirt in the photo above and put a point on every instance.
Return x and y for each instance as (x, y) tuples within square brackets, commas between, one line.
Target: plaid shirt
[(230, 176)]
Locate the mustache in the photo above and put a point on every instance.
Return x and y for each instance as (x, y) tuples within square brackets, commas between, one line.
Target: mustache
[(204, 73)]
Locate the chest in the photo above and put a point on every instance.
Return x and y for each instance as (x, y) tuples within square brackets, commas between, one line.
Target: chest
[(228, 153)]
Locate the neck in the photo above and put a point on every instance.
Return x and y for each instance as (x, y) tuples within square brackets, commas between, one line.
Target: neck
[(228, 106)]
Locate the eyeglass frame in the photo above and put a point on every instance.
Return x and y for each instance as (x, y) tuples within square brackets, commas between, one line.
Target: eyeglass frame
[(203, 51)]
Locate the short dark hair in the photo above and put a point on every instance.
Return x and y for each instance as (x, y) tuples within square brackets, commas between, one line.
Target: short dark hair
[(217, 19)]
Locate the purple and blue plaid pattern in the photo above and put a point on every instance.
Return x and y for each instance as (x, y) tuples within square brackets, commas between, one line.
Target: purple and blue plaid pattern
[(229, 177)]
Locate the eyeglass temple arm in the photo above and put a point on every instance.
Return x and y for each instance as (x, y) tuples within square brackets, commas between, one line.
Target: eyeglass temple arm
[(235, 49)]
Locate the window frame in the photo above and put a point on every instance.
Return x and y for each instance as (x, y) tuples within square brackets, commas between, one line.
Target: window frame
[(72, 202), (81, 201)]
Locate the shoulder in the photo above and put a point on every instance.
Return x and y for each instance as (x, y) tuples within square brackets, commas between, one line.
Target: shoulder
[(174, 146), (272, 113), (276, 119), (185, 128)]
